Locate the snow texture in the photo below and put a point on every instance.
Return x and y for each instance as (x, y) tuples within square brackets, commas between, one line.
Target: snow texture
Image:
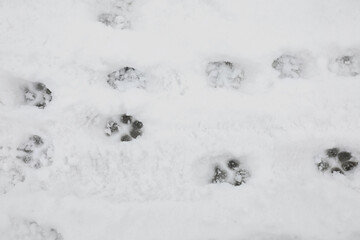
[(278, 123)]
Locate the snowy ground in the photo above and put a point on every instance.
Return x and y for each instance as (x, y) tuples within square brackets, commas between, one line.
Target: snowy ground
[(157, 186)]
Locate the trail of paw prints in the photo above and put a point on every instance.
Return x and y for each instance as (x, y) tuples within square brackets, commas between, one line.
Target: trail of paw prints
[(337, 161), (31, 230), (230, 171), (118, 17), (37, 94), (224, 74), (124, 127)]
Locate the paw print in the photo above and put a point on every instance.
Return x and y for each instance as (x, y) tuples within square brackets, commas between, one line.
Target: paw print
[(336, 161), (114, 20), (37, 94), (124, 5), (125, 126), (231, 173), (224, 74), (348, 65), (125, 78), (35, 152), (25, 229), (289, 66)]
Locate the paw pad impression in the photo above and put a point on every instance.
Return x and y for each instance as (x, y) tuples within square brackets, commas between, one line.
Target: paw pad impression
[(125, 126), (347, 65), (37, 94), (289, 66), (336, 160), (224, 74), (26, 229), (125, 78), (36, 152), (230, 172), (9, 178), (114, 20)]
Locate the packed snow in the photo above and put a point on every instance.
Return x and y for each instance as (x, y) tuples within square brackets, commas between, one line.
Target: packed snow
[(242, 149)]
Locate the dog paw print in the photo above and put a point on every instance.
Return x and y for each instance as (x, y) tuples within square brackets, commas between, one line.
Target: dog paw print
[(231, 173), (35, 152), (336, 160), (119, 17), (289, 66), (125, 78), (348, 65), (114, 20), (224, 74), (124, 126), (37, 94), (28, 229)]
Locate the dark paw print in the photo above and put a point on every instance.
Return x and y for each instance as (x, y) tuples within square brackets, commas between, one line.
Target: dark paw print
[(289, 66), (126, 78), (35, 152), (37, 94), (230, 173), (126, 126), (337, 161), (348, 65), (114, 20), (224, 74)]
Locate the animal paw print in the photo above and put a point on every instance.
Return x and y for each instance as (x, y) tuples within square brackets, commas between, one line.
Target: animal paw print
[(37, 94), (118, 17), (114, 20), (224, 74), (124, 5), (125, 126), (231, 173), (26, 229), (348, 65), (337, 161), (125, 78), (289, 66), (35, 152)]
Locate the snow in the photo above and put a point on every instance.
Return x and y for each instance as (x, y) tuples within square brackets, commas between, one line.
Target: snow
[(157, 186)]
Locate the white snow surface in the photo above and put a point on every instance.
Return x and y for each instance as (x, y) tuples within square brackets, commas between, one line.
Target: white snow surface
[(156, 187)]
